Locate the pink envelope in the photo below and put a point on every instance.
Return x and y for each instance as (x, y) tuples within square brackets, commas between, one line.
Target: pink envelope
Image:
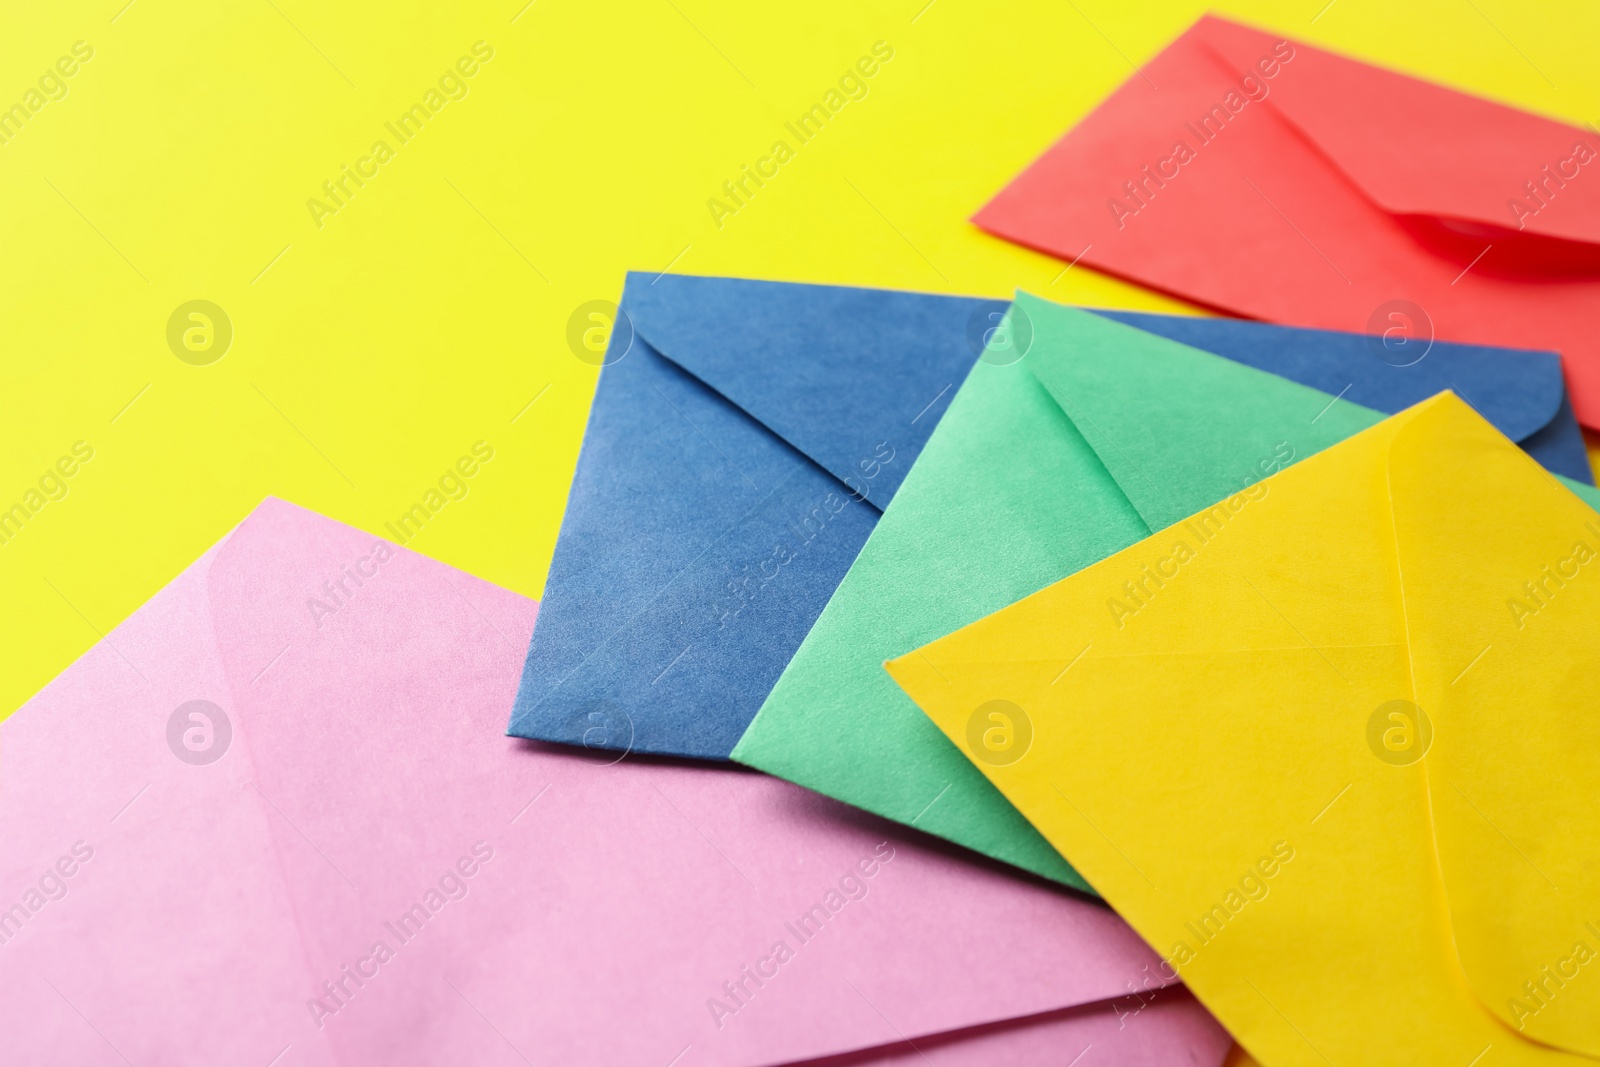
[(272, 820)]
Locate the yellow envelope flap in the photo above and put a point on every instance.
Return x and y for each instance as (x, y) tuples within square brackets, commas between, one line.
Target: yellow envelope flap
[(1500, 572), (1191, 723)]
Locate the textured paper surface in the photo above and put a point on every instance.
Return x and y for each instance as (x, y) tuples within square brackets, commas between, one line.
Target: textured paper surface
[(1520, 392), (1099, 435), (365, 781), (1338, 694), (1260, 176), (744, 439)]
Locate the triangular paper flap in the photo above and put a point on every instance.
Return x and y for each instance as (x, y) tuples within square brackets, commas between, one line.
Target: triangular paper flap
[(365, 797), (1420, 149), (845, 375), (1176, 451), (1174, 605), (294, 609), (1147, 188), (1236, 700), (683, 509), (390, 816), (93, 756), (1500, 568), (1174, 635), (1518, 390), (1005, 498), (645, 411), (685, 674)]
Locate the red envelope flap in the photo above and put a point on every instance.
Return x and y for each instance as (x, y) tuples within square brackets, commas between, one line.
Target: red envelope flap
[(1459, 164), (1191, 179)]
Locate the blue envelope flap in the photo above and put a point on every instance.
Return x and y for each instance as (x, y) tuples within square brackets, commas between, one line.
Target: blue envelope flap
[(855, 379), (1521, 392), (727, 480)]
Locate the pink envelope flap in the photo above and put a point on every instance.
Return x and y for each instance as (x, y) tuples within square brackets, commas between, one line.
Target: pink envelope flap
[(336, 858)]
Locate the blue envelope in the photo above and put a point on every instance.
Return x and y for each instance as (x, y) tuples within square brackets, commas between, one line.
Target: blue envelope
[(744, 438), (1521, 392)]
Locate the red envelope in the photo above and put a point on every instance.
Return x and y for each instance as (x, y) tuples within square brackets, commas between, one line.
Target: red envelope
[(1270, 180)]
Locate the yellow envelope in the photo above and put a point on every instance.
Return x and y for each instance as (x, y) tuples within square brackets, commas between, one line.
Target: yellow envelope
[(1330, 747)]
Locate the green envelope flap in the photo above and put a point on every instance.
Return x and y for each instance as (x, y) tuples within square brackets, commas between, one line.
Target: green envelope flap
[(992, 511), (1177, 433), (1040, 467)]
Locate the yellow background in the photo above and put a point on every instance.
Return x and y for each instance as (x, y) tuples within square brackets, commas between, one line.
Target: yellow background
[(433, 307)]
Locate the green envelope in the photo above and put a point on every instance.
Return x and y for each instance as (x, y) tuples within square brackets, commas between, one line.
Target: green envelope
[(1098, 436)]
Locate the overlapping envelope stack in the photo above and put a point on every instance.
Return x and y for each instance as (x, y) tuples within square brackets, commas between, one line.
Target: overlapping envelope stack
[(1099, 435), (1328, 744), (1303, 703), (919, 677), (1072, 436)]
